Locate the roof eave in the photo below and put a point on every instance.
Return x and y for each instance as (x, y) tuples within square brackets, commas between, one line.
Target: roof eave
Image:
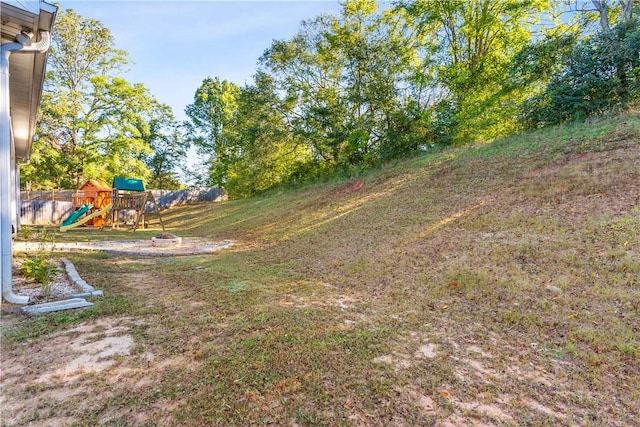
[(27, 72)]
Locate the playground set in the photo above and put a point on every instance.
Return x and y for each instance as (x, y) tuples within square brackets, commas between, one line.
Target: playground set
[(97, 204)]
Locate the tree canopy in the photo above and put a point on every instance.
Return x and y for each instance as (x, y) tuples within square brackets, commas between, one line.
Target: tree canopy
[(346, 92), (372, 83), (95, 124)]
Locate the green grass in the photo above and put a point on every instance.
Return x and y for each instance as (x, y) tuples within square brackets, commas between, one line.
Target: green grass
[(36, 327), (516, 264)]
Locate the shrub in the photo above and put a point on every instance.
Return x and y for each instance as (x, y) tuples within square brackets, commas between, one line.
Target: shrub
[(600, 74)]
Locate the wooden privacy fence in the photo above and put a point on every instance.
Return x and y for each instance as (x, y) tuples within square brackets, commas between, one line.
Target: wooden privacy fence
[(51, 207), (51, 195), (44, 212), (167, 199)]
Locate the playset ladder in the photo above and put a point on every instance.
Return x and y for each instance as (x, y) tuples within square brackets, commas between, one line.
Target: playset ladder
[(135, 201)]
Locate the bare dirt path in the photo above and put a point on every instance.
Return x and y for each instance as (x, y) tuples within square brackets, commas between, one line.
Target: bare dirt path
[(38, 376)]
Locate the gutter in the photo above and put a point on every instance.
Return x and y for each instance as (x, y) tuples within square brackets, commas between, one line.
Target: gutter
[(23, 45)]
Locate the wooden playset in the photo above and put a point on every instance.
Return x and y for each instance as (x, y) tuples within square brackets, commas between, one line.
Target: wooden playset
[(129, 195), (96, 193), (91, 205), (96, 204)]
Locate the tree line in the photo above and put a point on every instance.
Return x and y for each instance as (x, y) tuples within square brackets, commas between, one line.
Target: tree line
[(347, 92)]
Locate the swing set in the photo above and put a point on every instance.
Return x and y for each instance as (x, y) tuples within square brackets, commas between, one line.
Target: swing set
[(98, 205)]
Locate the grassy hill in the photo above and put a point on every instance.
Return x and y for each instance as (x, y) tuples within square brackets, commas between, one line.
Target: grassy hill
[(488, 285)]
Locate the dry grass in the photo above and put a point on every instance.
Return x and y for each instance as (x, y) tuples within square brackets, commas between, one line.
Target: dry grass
[(493, 285)]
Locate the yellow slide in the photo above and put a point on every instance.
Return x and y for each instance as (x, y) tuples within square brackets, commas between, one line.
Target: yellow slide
[(84, 219)]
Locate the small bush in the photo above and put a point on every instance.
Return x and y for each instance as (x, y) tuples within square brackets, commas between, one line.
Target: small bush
[(40, 269)]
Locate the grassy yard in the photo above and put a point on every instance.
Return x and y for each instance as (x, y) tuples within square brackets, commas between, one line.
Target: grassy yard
[(488, 285)]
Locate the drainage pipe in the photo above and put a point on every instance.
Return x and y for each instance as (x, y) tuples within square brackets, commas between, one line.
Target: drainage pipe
[(7, 157)]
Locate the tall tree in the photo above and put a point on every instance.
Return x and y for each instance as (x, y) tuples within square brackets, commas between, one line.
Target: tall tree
[(169, 147), (243, 137), (600, 73), (92, 119), (268, 152), (352, 78), (605, 12), (210, 124), (380, 54), (616, 41), (309, 80), (477, 40)]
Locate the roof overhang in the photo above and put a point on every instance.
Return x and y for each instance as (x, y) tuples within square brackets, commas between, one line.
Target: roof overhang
[(26, 70)]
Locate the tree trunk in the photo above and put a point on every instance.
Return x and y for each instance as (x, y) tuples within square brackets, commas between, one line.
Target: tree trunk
[(627, 10), (602, 7)]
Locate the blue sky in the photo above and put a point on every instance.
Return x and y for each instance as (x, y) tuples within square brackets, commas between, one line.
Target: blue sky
[(175, 45)]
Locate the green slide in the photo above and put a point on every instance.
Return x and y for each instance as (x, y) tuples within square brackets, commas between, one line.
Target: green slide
[(76, 219), (77, 214)]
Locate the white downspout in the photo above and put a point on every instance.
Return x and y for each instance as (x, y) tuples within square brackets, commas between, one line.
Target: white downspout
[(6, 178), (14, 210), (17, 198)]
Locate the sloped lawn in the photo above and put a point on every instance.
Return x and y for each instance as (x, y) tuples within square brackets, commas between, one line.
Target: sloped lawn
[(491, 285)]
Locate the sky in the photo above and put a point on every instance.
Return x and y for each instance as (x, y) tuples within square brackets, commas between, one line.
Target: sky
[(175, 45)]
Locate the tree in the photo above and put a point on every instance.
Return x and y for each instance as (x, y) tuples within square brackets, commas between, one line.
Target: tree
[(618, 40), (210, 124), (604, 12), (269, 153), (477, 41), (169, 147), (352, 79), (381, 56), (600, 73), (305, 74), (242, 135), (93, 121)]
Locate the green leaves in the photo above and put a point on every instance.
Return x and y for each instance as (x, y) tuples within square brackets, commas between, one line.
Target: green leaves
[(81, 48), (346, 76), (368, 85), (95, 124), (211, 127), (242, 135), (600, 73), (477, 43), (39, 268)]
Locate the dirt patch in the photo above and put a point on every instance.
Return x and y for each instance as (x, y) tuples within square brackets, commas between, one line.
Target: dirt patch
[(92, 347), (59, 368), (190, 246), (351, 187)]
